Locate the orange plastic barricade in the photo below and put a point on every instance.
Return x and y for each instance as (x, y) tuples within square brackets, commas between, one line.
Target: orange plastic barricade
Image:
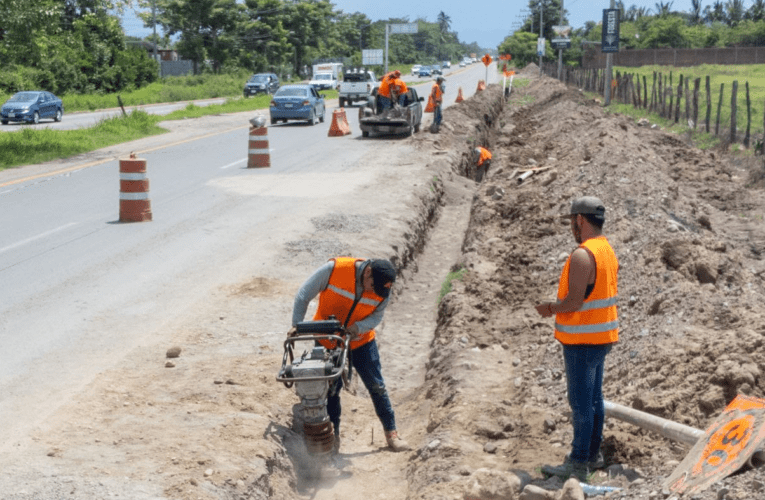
[(135, 205), (258, 154), (459, 95), (339, 125), (481, 86), (431, 104)]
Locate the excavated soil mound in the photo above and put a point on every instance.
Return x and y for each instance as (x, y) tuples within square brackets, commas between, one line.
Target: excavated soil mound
[(687, 227)]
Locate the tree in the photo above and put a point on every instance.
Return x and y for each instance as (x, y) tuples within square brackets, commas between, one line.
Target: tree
[(734, 10), (663, 9), (522, 45), (756, 12), (695, 17), (444, 23)]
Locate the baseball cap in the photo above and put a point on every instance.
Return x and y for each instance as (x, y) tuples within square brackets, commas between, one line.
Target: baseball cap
[(383, 273), (588, 205)]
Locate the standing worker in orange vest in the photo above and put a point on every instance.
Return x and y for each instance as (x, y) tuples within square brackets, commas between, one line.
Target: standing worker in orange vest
[(482, 158), (587, 325), (437, 94), (355, 291)]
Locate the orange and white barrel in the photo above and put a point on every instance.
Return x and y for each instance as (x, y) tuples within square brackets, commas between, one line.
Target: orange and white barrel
[(258, 154), (135, 205)]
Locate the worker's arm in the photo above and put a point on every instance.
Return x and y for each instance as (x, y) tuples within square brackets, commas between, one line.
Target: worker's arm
[(581, 272), (371, 321), (312, 287)]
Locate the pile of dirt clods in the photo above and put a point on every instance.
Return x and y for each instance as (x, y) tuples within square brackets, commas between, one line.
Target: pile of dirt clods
[(687, 227)]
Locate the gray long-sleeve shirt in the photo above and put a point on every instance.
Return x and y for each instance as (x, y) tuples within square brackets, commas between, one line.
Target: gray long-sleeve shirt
[(316, 284)]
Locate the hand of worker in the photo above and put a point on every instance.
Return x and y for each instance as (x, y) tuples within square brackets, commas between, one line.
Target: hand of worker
[(544, 309)]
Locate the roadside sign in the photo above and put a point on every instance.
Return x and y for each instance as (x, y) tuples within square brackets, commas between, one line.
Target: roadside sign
[(540, 46), (610, 36), (560, 43), (486, 60), (407, 28), (724, 448), (372, 57)]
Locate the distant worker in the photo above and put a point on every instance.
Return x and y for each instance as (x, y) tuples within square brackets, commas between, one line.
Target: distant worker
[(356, 292), (482, 159), (587, 325), (437, 94)]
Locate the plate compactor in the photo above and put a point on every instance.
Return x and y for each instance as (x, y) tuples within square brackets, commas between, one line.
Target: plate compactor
[(313, 374)]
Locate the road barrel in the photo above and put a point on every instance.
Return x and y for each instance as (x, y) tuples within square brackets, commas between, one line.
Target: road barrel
[(135, 205), (258, 155)]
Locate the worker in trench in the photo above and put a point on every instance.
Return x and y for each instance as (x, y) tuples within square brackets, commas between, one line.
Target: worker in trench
[(482, 159), (587, 326), (356, 292)]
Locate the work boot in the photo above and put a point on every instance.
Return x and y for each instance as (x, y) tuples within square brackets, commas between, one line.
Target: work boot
[(395, 442), (597, 463), (569, 468), (336, 445)]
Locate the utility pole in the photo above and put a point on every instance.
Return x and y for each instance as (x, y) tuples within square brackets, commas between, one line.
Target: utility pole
[(560, 51), (609, 72), (154, 23), (541, 26), (387, 29)]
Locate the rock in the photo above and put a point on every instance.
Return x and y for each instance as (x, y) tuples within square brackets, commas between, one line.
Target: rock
[(489, 484), (643, 122), (173, 352), (531, 492), (571, 490), (208, 472), (549, 425), (490, 448), (169, 364)]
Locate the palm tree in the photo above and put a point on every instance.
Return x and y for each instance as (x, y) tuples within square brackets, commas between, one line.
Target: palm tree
[(696, 12), (444, 23), (735, 11), (663, 9), (757, 11)]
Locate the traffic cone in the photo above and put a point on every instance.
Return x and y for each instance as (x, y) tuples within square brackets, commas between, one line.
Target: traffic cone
[(431, 104), (135, 205), (481, 86), (259, 155), (339, 125), (459, 95)]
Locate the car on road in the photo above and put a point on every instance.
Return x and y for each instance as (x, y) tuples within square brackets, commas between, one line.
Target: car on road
[(424, 71), (447, 64), (261, 83), (436, 70), (297, 102), (31, 107), (463, 64), (416, 69)]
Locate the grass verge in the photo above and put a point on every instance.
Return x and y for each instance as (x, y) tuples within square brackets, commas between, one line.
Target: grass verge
[(446, 286)]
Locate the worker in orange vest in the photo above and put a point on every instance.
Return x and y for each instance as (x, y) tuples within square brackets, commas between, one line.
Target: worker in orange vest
[(356, 292), (482, 158), (587, 325), (383, 92), (392, 89), (437, 95)]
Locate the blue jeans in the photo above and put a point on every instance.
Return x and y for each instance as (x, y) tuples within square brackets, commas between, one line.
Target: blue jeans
[(437, 115), (385, 102), (584, 372), (366, 362)]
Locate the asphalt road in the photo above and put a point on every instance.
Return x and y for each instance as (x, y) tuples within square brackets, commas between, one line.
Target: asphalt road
[(80, 289)]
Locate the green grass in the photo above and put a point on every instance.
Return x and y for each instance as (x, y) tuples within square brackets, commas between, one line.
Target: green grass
[(719, 74), (30, 146), (446, 286)]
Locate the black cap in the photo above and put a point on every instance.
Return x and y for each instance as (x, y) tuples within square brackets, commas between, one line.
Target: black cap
[(383, 273), (588, 205)]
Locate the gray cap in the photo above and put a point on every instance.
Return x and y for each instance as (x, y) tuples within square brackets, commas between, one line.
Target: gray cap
[(589, 205)]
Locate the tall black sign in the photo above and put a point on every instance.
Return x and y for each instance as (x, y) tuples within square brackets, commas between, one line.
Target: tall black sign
[(610, 35)]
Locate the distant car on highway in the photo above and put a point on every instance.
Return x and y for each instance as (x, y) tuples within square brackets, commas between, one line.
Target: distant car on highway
[(424, 71), (436, 70), (463, 64), (31, 106), (297, 102), (266, 83), (447, 64), (416, 69)]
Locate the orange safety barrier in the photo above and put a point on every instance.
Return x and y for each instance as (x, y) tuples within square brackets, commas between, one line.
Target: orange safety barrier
[(459, 95), (135, 205), (481, 86), (431, 104), (258, 154), (339, 125)]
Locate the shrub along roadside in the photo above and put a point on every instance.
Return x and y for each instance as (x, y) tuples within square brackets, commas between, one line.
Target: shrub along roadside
[(30, 146)]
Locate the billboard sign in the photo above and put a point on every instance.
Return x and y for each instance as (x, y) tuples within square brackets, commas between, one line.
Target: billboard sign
[(610, 34)]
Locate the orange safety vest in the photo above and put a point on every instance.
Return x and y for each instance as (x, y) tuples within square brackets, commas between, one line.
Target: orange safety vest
[(485, 155), (596, 321), (436, 93), (384, 89), (337, 300), (399, 85)]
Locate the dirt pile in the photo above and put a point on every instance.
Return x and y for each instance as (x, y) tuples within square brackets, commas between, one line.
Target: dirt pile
[(687, 227)]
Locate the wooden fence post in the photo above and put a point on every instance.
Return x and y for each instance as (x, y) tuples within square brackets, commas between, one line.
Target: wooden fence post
[(679, 98), (748, 117), (654, 95), (687, 102), (709, 105), (763, 134), (662, 95), (719, 105), (696, 84), (733, 104), (645, 93)]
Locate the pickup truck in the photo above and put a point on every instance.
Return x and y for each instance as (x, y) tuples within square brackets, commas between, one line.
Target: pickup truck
[(404, 119), (357, 85)]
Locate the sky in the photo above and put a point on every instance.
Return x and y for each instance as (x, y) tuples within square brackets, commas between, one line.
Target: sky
[(486, 22)]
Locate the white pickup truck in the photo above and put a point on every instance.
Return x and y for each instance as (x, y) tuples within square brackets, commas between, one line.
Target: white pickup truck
[(357, 85)]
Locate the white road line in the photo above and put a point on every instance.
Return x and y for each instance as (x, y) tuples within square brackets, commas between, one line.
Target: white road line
[(33, 238), (237, 162)]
